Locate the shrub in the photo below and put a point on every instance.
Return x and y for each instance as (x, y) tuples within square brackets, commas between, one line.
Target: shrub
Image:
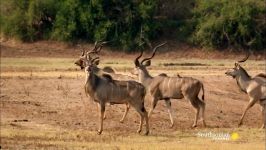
[(119, 21), (226, 23)]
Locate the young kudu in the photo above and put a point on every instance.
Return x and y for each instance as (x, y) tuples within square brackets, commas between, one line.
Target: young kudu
[(81, 62), (162, 87), (103, 89), (255, 87)]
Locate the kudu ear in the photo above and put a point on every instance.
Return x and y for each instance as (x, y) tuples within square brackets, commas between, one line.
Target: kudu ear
[(136, 63), (147, 63), (236, 65), (96, 62)]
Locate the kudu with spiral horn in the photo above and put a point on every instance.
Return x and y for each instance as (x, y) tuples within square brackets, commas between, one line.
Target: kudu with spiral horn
[(103, 89), (105, 70), (255, 87), (166, 88), (96, 49)]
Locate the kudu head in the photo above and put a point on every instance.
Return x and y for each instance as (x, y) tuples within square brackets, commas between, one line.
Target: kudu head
[(91, 63), (140, 67), (81, 61), (237, 70)]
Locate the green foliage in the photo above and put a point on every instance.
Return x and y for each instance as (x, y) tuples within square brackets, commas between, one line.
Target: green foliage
[(13, 19), (40, 15), (174, 18), (130, 23), (27, 20), (119, 21), (226, 23)]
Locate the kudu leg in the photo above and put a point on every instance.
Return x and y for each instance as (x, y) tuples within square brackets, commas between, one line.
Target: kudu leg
[(125, 113), (102, 110), (250, 104), (196, 118), (147, 122), (104, 115), (154, 103), (138, 109), (263, 114), (202, 107), (196, 106), (143, 115), (140, 123), (168, 105)]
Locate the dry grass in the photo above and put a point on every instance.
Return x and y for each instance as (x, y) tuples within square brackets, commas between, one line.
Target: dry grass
[(64, 67), (81, 139)]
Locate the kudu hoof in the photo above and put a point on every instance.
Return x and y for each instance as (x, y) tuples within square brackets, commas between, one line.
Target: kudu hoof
[(194, 126), (121, 121), (147, 133), (204, 125), (139, 131), (172, 125), (99, 132), (239, 124)]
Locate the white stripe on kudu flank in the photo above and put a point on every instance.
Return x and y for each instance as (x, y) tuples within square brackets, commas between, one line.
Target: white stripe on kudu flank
[(163, 83), (169, 83), (176, 82)]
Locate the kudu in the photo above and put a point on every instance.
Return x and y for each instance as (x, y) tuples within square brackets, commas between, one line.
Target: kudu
[(103, 89), (255, 87), (81, 62), (97, 48), (166, 88)]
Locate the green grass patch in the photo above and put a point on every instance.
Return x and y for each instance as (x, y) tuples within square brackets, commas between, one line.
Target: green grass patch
[(37, 63), (123, 64)]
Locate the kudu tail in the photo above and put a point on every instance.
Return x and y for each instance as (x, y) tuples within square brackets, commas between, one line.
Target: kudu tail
[(202, 87)]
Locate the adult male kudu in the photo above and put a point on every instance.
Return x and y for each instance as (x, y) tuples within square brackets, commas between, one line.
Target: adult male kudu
[(103, 89), (97, 48), (166, 88), (81, 62), (255, 87)]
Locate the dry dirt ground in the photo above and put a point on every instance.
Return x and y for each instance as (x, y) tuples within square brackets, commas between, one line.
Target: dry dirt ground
[(50, 110)]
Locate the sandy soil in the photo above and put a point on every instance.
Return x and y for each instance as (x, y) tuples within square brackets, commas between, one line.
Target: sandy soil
[(62, 102), (43, 102)]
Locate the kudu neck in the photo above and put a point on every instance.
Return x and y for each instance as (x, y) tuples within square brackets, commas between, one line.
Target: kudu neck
[(144, 77), (91, 80), (243, 80)]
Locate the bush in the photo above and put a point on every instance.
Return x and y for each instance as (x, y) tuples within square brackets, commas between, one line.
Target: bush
[(13, 19), (27, 20), (226, 23), (128, 24), (117, 21)]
